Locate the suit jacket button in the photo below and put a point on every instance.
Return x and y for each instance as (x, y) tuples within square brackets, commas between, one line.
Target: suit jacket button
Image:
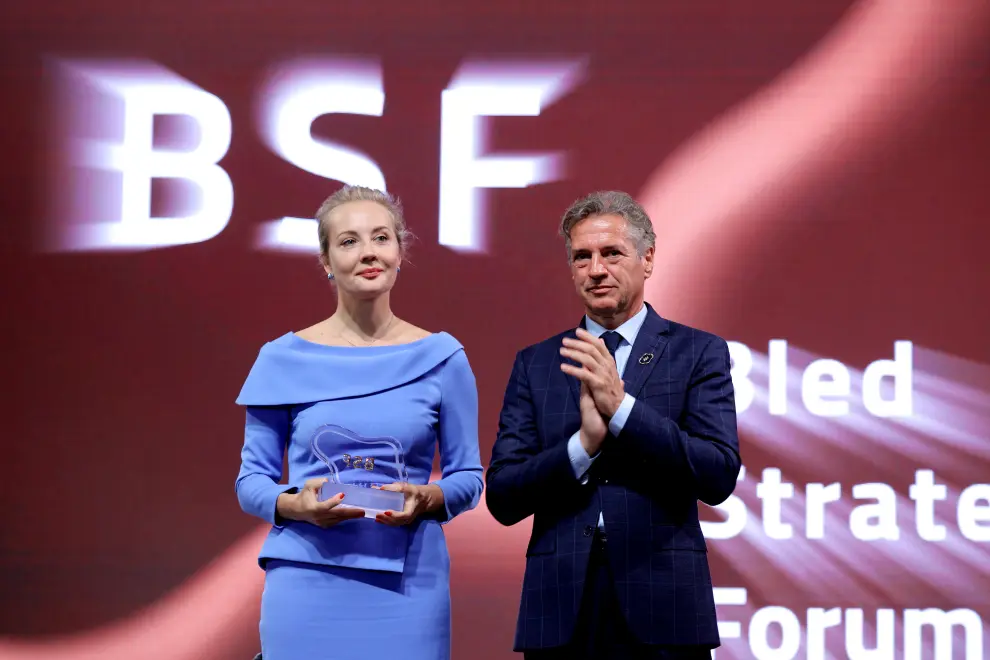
[(589, 530)]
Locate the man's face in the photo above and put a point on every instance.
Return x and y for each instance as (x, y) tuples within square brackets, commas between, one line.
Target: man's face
[(608, 273)]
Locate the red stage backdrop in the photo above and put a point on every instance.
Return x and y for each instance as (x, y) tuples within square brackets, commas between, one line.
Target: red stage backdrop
[(817, 173)]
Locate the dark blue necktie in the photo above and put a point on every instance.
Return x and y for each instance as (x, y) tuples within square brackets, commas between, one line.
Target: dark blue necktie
[(612, 340)]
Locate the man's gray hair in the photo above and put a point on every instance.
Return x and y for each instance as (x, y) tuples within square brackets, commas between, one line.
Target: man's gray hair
[(611, 202), (361, 194)]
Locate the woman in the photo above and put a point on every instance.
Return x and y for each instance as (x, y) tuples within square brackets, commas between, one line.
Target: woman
[(339, 584)]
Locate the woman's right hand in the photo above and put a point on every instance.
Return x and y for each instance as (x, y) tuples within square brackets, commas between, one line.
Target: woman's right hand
[(306, 507)]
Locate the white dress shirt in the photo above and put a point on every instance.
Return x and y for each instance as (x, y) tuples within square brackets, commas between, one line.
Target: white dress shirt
[(580, 460)]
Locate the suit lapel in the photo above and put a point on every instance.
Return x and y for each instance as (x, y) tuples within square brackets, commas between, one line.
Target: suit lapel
[(651, 342)]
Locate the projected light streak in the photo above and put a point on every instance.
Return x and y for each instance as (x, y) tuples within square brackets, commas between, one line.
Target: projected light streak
[(846, 434), (952, 410), (959, 379), (953, 414), (954, 378), (970, 400)]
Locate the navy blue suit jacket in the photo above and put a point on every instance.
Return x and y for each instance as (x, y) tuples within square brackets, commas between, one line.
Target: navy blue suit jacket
[(678, 446)]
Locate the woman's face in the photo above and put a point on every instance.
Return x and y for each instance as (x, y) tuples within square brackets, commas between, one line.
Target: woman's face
[(363, 251)]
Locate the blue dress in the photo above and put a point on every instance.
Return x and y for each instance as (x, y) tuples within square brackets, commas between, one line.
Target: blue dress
[(359, 589)]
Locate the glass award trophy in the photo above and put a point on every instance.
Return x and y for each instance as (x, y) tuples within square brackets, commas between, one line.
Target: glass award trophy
[(357, 465)]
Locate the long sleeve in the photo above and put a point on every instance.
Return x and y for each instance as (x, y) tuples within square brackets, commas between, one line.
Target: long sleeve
[(522, 476), (703, 451), (618, 420), (580, 461), (265, 434), (460, 457)]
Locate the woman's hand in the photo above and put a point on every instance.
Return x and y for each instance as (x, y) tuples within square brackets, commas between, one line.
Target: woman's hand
[(306, 507), (419, 500)]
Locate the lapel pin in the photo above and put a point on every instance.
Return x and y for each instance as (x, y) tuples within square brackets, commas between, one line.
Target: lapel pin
[(645, 358)]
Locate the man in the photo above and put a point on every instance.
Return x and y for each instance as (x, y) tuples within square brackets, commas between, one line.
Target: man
[(609, 435)]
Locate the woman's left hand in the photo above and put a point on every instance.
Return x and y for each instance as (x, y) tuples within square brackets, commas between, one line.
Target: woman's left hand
[(419, 500)]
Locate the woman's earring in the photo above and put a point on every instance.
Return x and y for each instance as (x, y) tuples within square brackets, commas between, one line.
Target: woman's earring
[(329, 276), (397, 269)]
